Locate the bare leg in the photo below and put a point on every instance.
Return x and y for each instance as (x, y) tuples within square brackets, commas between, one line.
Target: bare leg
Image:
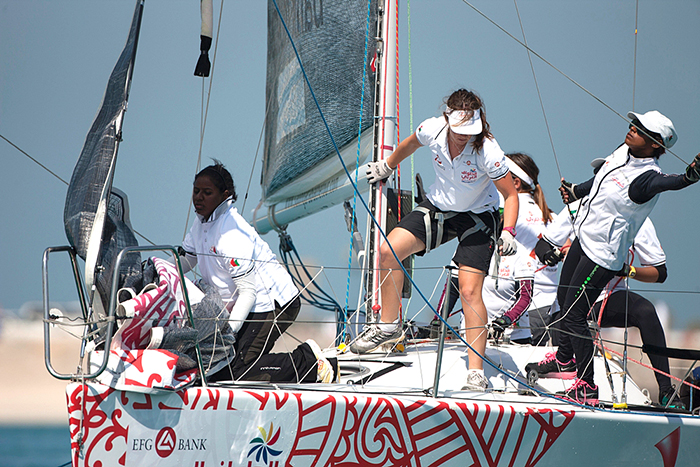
[(470, 283), (404, 244)]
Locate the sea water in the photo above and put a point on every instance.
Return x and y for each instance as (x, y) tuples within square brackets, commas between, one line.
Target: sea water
[(34, 446)]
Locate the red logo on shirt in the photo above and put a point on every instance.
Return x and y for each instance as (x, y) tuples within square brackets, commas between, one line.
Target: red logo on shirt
[(437, 159), (234, 263), (468, 175), (498, 164), (212, 249)]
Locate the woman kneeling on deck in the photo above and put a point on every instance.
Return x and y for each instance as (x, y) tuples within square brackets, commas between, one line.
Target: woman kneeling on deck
[(469, 169), (260, 295)]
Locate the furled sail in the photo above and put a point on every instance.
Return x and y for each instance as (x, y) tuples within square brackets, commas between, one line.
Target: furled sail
[(330, 37), (96, 220)]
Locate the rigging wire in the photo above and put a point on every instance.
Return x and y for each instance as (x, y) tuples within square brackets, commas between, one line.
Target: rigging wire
[(537, 86), (634, 67), (61, 179), (569, 78), (205, 109)]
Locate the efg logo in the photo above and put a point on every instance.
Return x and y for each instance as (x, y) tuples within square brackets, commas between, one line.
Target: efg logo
[(165, 441)]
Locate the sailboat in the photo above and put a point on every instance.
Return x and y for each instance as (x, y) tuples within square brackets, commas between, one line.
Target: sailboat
[(129, 405)]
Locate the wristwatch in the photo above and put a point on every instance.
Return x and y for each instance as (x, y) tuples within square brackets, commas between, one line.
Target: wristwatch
[(632, 273)]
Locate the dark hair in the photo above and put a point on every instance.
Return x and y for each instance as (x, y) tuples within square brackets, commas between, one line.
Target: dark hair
[(463, 99), (528, 165), (655, 137), (220, 177)]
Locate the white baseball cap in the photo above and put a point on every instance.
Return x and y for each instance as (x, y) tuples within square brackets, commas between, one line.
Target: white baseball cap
[(656, 122), (461, 125)]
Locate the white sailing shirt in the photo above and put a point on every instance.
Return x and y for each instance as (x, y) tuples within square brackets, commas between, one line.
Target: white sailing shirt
[(465, 182), (609, 218), (228, 247)]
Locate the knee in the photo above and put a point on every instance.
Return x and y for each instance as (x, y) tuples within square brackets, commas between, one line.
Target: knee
[(469, 293), (386, 257)]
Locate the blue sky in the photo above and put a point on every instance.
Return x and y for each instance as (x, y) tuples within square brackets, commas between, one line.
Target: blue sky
[(56, 56)]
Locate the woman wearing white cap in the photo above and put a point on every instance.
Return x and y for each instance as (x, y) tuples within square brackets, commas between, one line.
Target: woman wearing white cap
[(470, 170), (620, 197)]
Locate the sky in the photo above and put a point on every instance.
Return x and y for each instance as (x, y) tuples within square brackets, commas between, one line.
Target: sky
[(56, 56)]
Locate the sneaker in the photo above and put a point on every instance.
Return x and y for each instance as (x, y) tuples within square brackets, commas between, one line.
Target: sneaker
[(553, 368), (325, 372), (670, 399), (581, 392), (372, 337), (476, 381)]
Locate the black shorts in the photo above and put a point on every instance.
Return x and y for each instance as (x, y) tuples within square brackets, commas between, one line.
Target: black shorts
[(473, 251)]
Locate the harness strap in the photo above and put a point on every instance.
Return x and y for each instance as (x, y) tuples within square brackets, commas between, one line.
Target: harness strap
[(441, 217), (479, 225)]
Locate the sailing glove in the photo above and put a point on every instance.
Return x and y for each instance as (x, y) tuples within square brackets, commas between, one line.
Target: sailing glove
[(506, 244), (378, 171), (567, 192), (499, 325), (692, 172)]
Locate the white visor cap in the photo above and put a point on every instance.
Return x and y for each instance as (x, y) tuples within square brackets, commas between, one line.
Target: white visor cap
[(461, 125), (656, 122)]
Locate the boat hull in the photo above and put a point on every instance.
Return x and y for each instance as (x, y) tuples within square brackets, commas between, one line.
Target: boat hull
[(337, 425)]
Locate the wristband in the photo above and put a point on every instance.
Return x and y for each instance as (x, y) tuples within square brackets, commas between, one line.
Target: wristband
[(510, 229), (632, 273)]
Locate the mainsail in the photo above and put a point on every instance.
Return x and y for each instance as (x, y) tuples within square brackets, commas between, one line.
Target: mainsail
[(96, 220), (331, 39)]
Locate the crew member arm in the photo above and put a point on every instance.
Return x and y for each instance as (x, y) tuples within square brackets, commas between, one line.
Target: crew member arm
[(583, 189), (247, 293), (651, 183), (651, 274), (404, 150), (187, 260), (510, 195), (522, 299)]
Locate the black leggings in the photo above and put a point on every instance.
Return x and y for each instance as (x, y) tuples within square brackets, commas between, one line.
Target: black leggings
[(255, 340), (642, 315), (580, 283)]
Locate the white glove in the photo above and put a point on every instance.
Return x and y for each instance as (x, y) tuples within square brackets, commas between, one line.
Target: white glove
[(378, 171), (506, 244)]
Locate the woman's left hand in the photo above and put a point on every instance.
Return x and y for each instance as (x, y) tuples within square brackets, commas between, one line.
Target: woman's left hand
[(506, 244)]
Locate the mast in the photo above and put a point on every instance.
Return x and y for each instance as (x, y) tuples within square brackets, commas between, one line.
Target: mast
[(384, 142)]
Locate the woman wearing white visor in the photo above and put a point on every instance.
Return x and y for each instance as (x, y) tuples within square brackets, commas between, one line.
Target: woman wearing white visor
[(470, 170)]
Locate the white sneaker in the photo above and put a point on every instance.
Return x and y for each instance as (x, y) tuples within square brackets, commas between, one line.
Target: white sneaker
[(324, 369), (372, 337), (476, 381)]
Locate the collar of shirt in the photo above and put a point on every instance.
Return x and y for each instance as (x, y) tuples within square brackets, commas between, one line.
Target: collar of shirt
[(220, 209)]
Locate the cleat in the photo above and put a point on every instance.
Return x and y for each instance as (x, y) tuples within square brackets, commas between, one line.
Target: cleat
[(581, 392), (476, 381), (532, 377), (372, 337), (552, 367)]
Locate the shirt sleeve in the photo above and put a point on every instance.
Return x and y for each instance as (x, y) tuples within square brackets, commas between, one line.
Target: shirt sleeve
[(428, 130), (647, 247), (494, 160), (236, 253), (559, 230), (651, 183)]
